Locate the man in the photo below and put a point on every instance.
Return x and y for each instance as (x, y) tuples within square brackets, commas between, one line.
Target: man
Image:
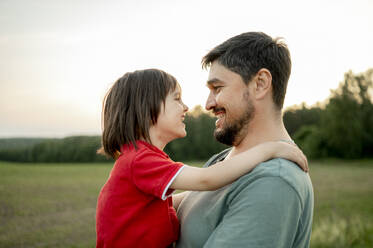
[(273, 205)]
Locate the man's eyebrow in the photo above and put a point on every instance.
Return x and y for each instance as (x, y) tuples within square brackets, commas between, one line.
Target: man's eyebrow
[(213, 81)]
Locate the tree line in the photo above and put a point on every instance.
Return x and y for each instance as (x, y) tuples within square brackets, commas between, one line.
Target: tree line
[(198, 145), (341, 126), (69, 149)]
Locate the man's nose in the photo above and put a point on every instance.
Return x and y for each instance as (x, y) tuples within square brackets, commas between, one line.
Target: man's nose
[(211, 102)]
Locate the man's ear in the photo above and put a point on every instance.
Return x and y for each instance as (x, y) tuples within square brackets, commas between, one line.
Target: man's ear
[(263, 83)]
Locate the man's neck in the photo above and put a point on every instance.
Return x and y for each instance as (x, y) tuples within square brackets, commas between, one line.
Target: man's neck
[(260, 131)]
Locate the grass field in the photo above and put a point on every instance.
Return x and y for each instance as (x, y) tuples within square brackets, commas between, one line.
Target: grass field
[(53, 205)]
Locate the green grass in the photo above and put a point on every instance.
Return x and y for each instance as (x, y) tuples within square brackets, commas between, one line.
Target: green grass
[(49, 205), (53, 205), (343, 215)]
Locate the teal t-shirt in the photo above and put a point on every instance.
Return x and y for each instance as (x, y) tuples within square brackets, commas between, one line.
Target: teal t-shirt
[(272, 206)]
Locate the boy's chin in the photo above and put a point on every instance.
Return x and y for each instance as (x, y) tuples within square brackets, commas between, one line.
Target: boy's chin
[(183, 134), (179, 135)]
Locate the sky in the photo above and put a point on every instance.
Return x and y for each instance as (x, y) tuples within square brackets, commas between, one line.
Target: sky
[(58, 58)]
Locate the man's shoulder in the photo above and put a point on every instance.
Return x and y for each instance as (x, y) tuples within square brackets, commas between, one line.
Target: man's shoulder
[(278, 167), (273, 170), (288, 171), (277, 170)]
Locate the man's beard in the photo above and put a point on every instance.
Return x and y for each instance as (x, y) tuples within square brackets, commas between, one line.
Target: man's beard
[(230, 133)]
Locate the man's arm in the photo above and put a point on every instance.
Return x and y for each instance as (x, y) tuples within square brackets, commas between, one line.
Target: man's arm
[(264, 213)]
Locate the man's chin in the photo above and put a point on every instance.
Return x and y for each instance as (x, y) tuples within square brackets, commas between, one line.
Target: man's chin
[(223, 137)]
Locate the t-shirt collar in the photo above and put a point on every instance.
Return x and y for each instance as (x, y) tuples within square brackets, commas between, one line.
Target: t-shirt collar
[(142, 143)]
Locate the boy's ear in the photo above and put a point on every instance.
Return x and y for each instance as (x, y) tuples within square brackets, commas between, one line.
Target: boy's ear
[(263, 83)]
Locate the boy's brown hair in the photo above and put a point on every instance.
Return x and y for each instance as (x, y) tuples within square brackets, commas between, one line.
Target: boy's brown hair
[(131, 106)]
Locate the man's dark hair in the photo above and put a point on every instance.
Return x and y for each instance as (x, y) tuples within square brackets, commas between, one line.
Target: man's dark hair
[(247, 53), (131, 106)]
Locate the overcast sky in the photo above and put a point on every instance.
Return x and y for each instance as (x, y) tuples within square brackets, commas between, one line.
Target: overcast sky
[(58, 58)]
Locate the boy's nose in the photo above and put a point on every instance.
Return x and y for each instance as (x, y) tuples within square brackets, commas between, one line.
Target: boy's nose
[(185, 107)]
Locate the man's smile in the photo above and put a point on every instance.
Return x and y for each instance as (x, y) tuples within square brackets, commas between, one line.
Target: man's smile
[(220, 114)]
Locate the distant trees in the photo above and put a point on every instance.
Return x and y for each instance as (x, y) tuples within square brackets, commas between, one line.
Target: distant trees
[(70, 149), (344, 127), (198, 145)]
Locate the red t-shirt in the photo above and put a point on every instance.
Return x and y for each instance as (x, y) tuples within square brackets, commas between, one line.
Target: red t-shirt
[(133, 208)]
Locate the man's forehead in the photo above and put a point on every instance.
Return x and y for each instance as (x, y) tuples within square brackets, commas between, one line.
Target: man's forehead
[(215, 72), (220, 74)]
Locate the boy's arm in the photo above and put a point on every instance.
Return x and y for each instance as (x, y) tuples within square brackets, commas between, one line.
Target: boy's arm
[(225, 172)]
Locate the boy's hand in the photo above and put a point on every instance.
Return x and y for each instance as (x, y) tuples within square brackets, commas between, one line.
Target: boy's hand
[(291, 151)]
